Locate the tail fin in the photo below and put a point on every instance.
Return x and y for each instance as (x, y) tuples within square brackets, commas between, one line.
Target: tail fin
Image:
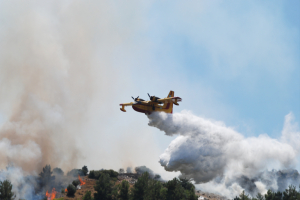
[(170, 104), (171, 94)]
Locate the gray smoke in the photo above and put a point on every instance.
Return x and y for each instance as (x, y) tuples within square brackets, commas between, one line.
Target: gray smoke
[(23, 185), (219, 157), (142, 169)]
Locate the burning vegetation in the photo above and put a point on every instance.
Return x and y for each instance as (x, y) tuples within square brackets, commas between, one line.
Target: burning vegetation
[(140, 185)]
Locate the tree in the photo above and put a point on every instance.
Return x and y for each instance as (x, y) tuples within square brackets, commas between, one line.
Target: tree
[(87, 196), (103, 188), (124, 190), (75, 172), (277, 195), (84, 170), (154, 190), (259, 196), (58, 171), (269, 195), (46, 177), (244, 196), (6, 190), (175, 190), (290, 193), (76, 182), (140, 187), (163, 193), (91, 174), (71, 190)]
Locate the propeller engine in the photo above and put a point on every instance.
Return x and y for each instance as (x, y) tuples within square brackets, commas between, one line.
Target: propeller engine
[(137, 99), (153, 98)]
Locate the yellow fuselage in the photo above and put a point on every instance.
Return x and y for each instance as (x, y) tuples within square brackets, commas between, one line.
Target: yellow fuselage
[(153, 107)]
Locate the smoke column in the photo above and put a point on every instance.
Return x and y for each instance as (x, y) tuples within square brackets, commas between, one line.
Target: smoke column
[(209, 152), (55, 59)]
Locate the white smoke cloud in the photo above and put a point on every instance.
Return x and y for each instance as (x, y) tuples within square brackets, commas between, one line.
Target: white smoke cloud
[(23, 186), (207, 150)]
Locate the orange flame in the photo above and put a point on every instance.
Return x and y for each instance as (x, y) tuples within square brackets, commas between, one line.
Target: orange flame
[(51, 196), (81, 181), (66, 190)]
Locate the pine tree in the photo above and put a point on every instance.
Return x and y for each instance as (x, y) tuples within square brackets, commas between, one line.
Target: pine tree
[(103, 188), (140, 187), (6, 190), (46, 177), (124, 190), (84, 170), (87, 196), (154, 190), (244, 196)]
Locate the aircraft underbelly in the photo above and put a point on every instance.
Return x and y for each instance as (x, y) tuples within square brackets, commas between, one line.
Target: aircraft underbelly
[(148, 109)]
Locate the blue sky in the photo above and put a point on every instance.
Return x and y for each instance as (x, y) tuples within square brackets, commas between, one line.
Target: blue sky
[(244, 56)]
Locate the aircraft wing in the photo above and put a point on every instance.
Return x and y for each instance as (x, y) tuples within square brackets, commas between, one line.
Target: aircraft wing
[(125, 104)]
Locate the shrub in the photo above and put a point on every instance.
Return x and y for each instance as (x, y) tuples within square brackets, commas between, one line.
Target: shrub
[(71, 190), (58, 171), (76, 182), (6, 190), (95, 174), (84, 170), (87, 196), (75, 172), (91, 174)]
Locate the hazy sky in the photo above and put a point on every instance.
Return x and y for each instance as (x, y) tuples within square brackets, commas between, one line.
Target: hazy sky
[(232, 61)]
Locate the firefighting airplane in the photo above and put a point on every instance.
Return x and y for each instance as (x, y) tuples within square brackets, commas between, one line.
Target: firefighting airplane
[(147, 107)]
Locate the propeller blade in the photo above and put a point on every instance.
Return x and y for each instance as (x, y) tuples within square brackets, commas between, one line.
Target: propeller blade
[(132, 97), (137, 97), (148, 95)]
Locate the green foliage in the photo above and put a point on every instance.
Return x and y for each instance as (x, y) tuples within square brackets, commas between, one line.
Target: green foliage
[(155, 190), (140, 187), (6, 190), (124, 190), (277, 196), (187, 185), (259, 196), (84, 170), (71, 190), (147, 188), (290, 193), (269, 195), (92, 174), (87, 196), (95, 174), (58, 171), (104, 188), (62, 190), (244, 196), (76, 182)]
